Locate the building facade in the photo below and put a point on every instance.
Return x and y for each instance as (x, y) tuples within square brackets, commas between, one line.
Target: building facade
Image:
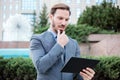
[(28, 7)]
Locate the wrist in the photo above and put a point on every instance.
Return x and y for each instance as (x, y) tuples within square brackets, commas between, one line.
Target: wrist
[(61, 45)]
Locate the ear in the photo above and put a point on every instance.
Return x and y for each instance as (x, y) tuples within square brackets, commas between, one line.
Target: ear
[(50, 16)]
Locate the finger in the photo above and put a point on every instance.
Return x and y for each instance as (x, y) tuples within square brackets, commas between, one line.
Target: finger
[(88, 73), (58, 34), (90, 70), (85, 76)]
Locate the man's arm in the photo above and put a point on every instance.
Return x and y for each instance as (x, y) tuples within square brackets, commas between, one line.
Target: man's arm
[(42, 60), (86, 74)]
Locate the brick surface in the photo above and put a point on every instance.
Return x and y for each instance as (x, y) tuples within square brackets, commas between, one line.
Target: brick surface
[(14, 44)]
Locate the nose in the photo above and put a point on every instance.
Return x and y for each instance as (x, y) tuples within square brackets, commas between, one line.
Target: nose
[(64, 22)]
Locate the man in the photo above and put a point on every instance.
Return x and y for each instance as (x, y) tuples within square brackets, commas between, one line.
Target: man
[(53, 48)]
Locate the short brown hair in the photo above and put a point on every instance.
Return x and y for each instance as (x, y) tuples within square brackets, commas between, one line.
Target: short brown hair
[(59, 6)]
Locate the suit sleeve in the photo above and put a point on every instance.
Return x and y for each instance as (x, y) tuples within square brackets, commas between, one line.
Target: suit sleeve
[(40, 57)]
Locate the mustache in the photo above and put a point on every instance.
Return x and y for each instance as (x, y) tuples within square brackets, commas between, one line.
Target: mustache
[(61, 25)]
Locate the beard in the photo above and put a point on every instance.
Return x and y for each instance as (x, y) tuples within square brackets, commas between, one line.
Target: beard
[(53, 26)]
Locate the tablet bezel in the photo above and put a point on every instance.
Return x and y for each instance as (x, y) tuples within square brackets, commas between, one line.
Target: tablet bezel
[(75, 64)]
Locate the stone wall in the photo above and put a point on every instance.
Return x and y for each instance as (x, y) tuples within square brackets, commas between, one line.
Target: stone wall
[(99, 45), (102, 45), (14, 44)]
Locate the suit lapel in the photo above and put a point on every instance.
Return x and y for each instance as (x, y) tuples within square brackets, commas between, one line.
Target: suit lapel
[(69, 51), (48, 41)]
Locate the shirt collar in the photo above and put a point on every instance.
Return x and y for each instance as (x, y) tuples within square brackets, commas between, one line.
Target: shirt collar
[(53, 33)]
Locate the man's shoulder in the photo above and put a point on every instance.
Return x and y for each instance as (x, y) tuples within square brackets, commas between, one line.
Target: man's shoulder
[(40, 35), (37, 36)]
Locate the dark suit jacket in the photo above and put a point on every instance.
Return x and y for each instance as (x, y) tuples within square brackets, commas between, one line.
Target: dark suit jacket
[(47, 55)]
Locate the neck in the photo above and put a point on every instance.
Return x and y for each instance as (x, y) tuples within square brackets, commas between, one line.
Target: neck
[(52, 29)]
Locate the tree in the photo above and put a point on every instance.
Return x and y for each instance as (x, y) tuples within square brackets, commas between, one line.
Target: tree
[(34, 18), (43, 20), (43, 17), (105, 16)]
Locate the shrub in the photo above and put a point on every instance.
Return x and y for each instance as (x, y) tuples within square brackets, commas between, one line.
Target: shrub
[(80, 32), (108, 69), (3, 63), (18, 69), (105, 16), (23, 69), (40, 30)]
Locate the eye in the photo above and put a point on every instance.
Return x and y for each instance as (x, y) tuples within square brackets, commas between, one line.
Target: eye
[(66, 19), (60, 18)]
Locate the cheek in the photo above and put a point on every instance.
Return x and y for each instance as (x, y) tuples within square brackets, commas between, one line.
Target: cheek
[(57, 21)]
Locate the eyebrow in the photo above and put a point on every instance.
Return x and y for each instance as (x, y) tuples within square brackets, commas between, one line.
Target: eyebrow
[(62, 17)]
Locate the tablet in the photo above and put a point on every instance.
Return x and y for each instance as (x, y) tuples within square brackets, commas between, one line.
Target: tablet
[(75, 65)]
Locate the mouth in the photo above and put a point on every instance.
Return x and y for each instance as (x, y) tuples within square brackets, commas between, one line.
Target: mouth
[(61, 30), (61, 27)]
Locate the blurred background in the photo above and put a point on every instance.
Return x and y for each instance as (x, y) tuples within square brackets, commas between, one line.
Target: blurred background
[(19, 17), (95, 24)]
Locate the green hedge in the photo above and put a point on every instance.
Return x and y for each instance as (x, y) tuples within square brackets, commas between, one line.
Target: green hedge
[(108, 68), (23, 69), (17, 69), (78, 32)]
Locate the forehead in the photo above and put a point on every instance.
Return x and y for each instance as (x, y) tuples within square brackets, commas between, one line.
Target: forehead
[(62, 13)]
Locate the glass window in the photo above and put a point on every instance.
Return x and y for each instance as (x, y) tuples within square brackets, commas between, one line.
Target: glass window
[(87, 1), (28, 4), (99, 2), (4, 1), (68, 1), (114, 1), (78, 12), (10, 0), (4, 7), (108, 0), (10, 7), (4, 16), (16, 7), (40, 3), (78, 1)]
